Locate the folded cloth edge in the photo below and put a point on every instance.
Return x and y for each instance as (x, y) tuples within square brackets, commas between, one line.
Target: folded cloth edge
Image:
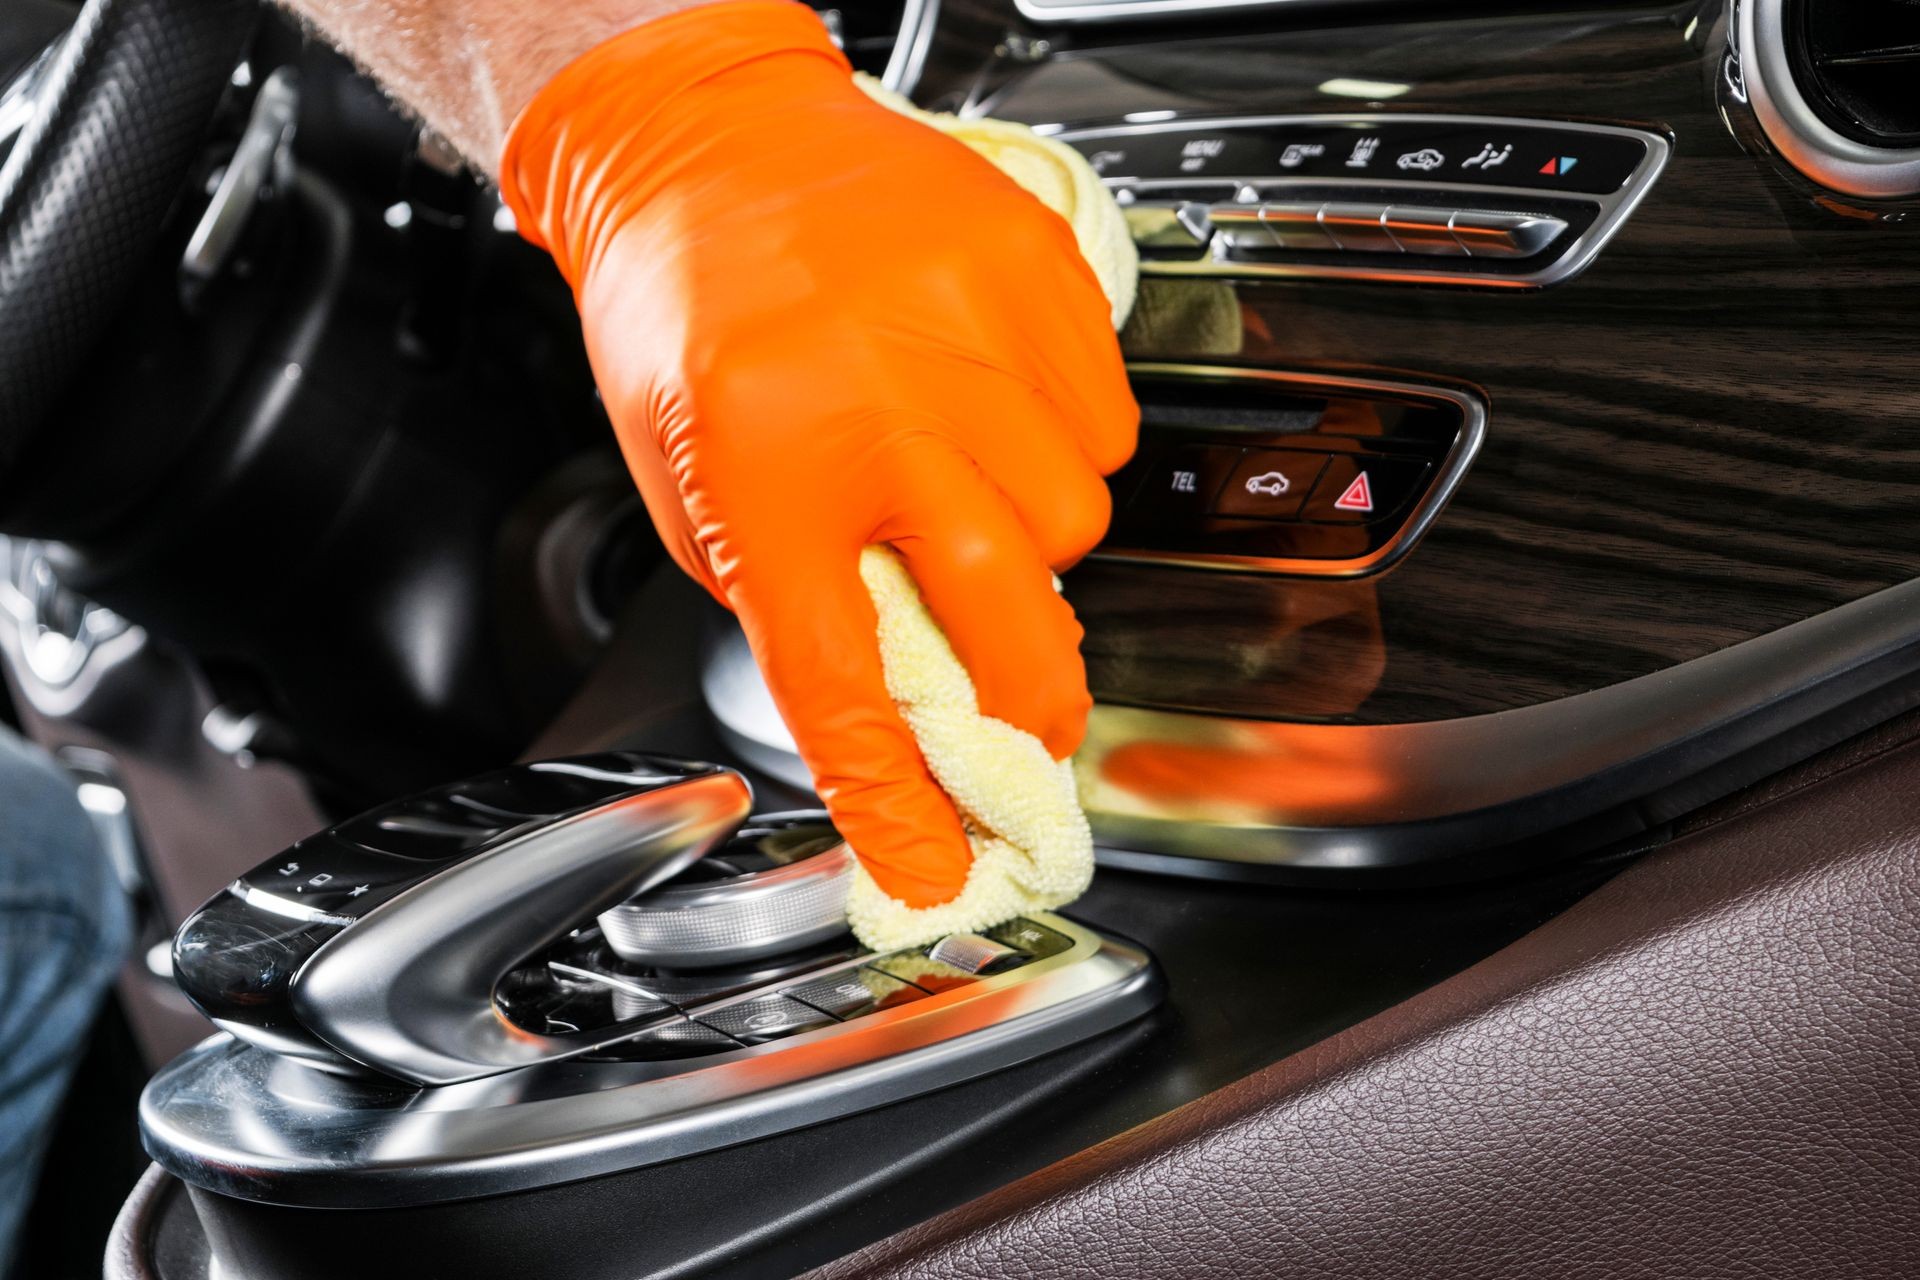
[(1032, 847)]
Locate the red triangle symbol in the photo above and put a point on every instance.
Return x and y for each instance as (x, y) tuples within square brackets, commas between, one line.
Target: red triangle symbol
[(1358, 497), (1551, 166)]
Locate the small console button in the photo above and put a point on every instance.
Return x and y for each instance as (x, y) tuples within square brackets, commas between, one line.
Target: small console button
[(1422, 230), (1180, 482), (679, 1039), (1358, 228), (764, 1019), (975, 954), (923, 971), (1488, 234), (1036, 940), (1297, 226), (855, 993), (1176, 153), (1364, 488), (1269, 484)]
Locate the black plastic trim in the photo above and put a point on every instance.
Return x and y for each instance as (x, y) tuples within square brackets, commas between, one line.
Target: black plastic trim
[(1463, 797)]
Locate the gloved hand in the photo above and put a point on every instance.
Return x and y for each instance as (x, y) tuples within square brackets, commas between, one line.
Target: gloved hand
[(818, 325)]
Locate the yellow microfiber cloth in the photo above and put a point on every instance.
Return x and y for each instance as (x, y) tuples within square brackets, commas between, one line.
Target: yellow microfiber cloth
[(1032, 848)]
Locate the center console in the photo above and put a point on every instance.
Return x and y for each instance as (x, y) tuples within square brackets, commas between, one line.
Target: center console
[(570, 970)]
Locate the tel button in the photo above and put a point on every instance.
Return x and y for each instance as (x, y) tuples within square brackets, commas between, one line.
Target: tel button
[(1181, 481), (1361, 489), (1269, 484)]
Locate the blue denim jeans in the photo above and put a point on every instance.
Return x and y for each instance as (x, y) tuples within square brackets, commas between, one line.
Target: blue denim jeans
[(63, 928)]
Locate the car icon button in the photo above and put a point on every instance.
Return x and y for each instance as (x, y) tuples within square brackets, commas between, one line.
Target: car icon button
[(1269, 484)]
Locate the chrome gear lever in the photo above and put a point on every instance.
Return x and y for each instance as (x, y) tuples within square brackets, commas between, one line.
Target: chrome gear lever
[(380, 941)]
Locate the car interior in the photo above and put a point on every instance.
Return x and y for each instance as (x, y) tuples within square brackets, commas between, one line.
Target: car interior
[(1505, 652)]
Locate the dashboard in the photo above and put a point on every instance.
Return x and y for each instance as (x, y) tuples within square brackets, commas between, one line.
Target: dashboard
[(1529, 436), (1526, 425)]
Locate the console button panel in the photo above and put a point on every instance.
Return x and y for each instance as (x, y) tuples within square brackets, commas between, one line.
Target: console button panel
[(1255, 469), (1435, 199), (582, 986)]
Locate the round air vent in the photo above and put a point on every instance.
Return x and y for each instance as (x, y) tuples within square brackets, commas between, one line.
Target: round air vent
[(1855, 62), (1832, 84)]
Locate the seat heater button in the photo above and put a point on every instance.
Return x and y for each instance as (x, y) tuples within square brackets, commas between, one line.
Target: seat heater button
[(1269, 484), (975, 954), (1423, 231), (1358, 228), (855, 993), (764, 1019), (1364, 488)]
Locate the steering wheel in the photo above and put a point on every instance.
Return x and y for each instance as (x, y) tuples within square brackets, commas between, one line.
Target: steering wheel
[(121, 113)]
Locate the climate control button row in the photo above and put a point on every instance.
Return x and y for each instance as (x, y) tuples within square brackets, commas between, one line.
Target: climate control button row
[(1255, 229)]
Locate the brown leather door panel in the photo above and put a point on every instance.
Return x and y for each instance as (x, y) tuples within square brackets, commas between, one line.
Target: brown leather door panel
[(1705, 1069)]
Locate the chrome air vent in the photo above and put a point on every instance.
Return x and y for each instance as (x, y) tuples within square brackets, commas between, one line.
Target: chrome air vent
[(1855, 62), (884, 38), (1832, 84)]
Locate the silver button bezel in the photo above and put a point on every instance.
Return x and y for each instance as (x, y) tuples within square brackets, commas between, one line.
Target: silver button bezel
[(1610, 209)]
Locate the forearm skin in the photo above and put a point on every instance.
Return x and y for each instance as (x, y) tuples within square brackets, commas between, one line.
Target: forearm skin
[(466, 67)]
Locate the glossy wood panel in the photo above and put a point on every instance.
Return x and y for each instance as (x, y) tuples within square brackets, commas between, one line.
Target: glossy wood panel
[(1712, 433)]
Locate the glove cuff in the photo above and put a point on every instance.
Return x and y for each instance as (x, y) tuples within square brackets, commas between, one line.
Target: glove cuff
[(556, 163)]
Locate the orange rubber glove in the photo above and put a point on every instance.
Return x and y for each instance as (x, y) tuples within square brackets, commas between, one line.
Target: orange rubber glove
[(818, 325)]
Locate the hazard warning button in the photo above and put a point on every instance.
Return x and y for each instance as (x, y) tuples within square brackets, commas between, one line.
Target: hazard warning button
[(1365, 488)]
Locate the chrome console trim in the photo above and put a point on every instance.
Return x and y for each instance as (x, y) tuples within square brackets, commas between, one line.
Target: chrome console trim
[(1807, 142), (242, 1122), (1473, 432), (1613, 208)]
